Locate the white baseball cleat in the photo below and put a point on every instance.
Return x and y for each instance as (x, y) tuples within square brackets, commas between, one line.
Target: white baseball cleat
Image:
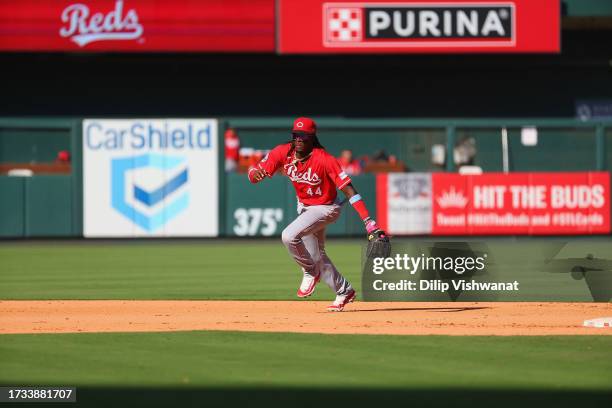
[(308, 285), (341, 301)]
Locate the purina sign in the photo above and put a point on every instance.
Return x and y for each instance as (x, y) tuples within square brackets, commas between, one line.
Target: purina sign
[(150, 177), (419, 26)]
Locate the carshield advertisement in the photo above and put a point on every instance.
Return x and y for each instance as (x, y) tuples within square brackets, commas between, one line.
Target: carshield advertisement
[(150, 177)]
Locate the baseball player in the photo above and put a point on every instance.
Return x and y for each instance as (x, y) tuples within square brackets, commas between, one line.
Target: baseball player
[(315, 175)]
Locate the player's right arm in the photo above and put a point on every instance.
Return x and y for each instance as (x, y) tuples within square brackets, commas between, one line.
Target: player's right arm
[(269, 164)]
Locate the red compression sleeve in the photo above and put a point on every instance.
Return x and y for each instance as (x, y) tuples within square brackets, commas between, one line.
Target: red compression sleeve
[(359, 206)]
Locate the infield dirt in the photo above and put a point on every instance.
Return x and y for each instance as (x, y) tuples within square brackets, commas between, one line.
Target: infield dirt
[(503, 319)]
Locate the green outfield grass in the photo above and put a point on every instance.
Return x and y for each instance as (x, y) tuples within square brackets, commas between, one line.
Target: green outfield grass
[(243, 359), (162, 270), (261, 367), (268, 369)]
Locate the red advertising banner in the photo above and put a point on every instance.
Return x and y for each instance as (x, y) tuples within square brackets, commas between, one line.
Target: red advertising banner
[(423, 26), (137, 25), (521, 203)]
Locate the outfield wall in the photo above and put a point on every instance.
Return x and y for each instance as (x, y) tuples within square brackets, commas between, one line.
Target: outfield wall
[(52, 205)]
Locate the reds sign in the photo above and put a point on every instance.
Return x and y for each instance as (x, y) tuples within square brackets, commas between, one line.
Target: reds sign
[(83, 27), (419, 26), (137, 25)]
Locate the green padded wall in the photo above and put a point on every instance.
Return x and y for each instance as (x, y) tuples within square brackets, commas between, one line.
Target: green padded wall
[(48, 206), (37, 206), (12, 206), (558, 149), (246, 204)]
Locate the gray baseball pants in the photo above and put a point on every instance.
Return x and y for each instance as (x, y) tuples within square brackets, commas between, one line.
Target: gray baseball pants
[(305, 240)]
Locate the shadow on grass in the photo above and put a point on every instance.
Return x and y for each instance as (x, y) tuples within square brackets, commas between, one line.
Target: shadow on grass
[(376, 398)]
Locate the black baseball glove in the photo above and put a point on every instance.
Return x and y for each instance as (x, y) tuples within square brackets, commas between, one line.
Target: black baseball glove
[(379, 245)]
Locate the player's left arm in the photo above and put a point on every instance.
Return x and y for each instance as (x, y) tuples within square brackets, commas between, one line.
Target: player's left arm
[(344, 184), (379, 245), (359, 205)]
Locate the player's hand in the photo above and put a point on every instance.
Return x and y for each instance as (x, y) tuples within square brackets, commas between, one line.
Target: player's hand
[(257, 174), (373, 230), (378, 234), (379, 245)]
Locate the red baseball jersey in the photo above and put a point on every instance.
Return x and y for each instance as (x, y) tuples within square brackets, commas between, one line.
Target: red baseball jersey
[(315, 179)]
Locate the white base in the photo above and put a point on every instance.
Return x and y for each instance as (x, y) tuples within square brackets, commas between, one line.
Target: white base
[(599, 323)]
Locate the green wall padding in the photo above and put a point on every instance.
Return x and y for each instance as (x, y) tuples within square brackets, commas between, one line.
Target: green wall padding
[(12, 206), (48, 206)]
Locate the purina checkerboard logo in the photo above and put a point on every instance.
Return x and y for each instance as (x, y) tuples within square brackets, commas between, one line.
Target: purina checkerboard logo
[(418, 24), (343, 24), (150, 177)]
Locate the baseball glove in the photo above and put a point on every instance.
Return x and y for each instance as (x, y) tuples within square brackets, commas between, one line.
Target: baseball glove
[(379, 245)]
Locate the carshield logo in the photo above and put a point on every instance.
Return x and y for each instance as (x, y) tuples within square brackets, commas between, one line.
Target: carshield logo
[(161, 201)]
